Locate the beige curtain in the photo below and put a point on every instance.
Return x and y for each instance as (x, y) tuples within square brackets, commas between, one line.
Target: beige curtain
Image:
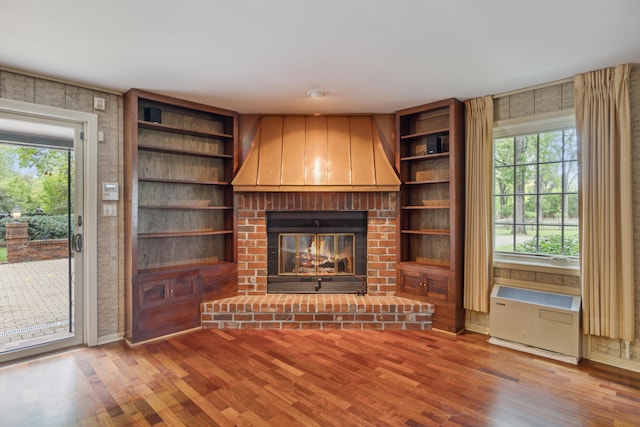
[(478, 247), (606, 239)]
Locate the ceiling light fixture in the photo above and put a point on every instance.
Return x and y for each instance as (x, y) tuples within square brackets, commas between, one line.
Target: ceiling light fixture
[(315, 93)]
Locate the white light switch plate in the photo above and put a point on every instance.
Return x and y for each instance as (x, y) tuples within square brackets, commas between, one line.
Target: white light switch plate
[(99, 104), (110, 209)]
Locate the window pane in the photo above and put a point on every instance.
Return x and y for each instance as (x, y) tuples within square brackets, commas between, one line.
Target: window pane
[(503, 209), (550, 240), (503, 149), (550, 178), (530, 210), (550, 209), (525, 180), (504, 180), (571, 241), (527, 244), (570, 145), (503, 241), (571, 177), (551, 146), (571, 209), (526, 150)]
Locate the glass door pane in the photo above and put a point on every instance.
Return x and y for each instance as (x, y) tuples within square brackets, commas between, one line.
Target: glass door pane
[(38, 220)]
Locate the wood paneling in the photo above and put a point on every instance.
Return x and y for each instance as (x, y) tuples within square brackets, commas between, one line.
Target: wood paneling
[(270, 155), (339, 155), (362, 165), (293, 149), (315, 378), (315, 159)]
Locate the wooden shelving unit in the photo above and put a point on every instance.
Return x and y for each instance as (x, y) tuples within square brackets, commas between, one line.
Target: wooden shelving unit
[(430, 158), (180, 228)]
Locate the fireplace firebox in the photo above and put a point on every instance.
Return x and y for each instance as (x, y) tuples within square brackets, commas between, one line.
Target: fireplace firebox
[(317, 252)]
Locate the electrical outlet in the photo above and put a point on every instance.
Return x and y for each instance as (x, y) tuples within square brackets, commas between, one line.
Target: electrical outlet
[(252, 279)]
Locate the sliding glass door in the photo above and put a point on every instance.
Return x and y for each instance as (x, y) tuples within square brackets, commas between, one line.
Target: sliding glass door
[(41, 235)]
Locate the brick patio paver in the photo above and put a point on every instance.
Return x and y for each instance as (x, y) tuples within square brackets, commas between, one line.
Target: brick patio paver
[(33, 294)]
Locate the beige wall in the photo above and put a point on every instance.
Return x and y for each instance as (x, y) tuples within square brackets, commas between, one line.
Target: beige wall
[(544, 100), (25, 88)]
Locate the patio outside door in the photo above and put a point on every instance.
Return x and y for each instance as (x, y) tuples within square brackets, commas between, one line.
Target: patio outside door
[(41, 264)]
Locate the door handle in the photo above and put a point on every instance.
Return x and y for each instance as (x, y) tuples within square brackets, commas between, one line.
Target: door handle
[(76, 242)]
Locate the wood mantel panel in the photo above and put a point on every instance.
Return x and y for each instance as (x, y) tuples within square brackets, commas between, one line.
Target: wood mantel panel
[(315, 159), (362, 165), (293, 150), (270, 146), (339, 153)]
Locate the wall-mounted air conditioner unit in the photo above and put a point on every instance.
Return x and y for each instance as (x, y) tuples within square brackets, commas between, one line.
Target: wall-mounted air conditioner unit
[(543, 323)]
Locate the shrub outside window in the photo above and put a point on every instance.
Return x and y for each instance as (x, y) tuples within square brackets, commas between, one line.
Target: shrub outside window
[(536, 193)]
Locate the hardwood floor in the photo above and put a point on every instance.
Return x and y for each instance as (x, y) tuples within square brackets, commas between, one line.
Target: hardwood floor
[(314, 378)]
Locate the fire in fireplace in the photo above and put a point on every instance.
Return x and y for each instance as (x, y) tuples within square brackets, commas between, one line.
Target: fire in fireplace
[(316, 252)]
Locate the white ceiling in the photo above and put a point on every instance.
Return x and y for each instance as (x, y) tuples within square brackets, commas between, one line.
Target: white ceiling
[(369, 56)]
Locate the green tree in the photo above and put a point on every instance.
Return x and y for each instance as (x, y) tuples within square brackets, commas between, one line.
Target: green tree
[(53, 197), (46, 161), (53, 174), (17, 192)]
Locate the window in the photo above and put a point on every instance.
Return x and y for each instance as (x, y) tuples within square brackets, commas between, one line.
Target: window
[(536, 190)]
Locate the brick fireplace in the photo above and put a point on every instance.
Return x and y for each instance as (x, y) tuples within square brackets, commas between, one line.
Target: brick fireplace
[(319, 165), (252, 233)]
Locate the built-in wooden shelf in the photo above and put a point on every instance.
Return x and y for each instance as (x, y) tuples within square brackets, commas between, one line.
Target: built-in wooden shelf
[(182, 131)]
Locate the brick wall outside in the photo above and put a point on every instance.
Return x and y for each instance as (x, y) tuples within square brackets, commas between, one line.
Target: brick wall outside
[(381, 233), (21, 249)]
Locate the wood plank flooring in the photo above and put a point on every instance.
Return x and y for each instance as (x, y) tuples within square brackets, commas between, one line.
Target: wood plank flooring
[(314, 378)]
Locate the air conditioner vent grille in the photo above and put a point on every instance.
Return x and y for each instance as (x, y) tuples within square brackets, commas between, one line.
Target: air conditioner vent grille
[(536, 297)]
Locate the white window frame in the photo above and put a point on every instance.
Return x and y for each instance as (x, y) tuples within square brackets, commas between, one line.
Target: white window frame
[(538, 123)]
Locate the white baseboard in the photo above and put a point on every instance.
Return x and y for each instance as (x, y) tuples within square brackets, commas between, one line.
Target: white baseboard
[(106, 339), (534, 350)]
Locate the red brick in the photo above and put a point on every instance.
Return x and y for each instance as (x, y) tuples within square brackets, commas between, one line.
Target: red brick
[(270, 325), (393, 326), (372, 325), (290, 325), (310, 325), (263, 316), (331, 325), (283, 316)]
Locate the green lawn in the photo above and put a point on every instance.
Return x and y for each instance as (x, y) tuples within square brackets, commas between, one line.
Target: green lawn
[(3, 254)]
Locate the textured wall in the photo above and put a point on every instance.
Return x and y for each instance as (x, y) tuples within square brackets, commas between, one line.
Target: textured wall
[(37, 90)]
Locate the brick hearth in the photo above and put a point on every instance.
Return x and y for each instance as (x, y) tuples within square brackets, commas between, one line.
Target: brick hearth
[(316, 312)]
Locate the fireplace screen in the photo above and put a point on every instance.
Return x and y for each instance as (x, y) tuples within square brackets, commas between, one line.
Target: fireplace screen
[(316, 254)]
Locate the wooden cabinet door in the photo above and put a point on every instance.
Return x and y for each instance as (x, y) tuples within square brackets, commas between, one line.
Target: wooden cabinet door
[(153, 293), (183, 289), (411, 283), (437, 287)]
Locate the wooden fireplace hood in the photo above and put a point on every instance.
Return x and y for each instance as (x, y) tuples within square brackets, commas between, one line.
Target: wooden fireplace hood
[(311, 153)]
